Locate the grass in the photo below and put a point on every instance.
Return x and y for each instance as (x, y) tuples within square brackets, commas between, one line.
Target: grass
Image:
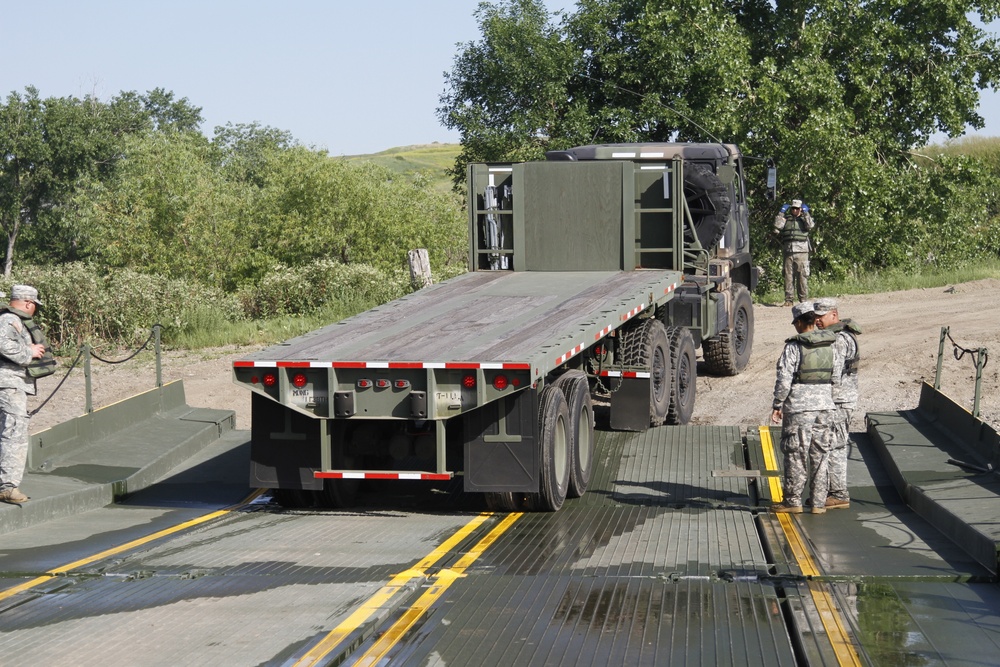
[(892, 281), (431, 160), (206, 329)]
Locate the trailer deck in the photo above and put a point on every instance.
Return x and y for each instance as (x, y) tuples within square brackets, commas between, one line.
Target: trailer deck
[(486, 317)]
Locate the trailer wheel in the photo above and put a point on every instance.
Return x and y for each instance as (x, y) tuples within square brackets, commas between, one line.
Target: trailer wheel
[(684, 376), (505, 501), (576, 389), (343, 493), (645, 346), (708, 200), (554, 436), (729, 352), (292, 498)]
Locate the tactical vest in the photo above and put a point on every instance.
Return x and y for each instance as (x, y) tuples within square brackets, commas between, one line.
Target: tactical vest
[(816, 366), (46, 365), (795, 229), (853, 330)]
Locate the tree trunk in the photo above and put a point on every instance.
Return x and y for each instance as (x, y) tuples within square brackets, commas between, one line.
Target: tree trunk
[(420, 268)]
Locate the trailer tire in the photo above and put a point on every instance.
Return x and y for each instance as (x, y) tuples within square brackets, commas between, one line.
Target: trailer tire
[(645, 345), (554, 434), (728, 353), (684, 376), (576, 388), (292, 498), (708, 200), (506, 501)]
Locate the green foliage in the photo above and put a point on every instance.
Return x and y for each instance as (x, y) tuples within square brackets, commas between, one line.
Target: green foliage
[(304, 290), (84, 304)]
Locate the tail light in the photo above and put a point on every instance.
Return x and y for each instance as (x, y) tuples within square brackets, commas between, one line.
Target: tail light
[(299, 380), (270, 379), (469, 381), (500, 382)]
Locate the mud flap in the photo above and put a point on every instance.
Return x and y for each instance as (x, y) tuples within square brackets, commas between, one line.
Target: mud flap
[(630, 405), (284, 447), (501, 445)]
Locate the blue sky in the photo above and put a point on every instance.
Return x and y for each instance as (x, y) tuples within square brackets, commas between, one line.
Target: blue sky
[(351, 77)]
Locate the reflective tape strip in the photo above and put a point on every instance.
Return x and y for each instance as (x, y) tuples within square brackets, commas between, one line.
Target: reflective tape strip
[(404, 365), (625, 374), (322, 474), (635, 311), (569, 355)]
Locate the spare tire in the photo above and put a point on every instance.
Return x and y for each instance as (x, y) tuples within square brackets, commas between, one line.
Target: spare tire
[(708, 200)]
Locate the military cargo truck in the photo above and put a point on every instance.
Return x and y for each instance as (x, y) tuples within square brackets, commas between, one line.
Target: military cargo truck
[(595, 274)]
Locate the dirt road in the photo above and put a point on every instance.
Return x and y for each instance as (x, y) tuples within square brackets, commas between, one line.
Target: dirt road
[(899, 351)]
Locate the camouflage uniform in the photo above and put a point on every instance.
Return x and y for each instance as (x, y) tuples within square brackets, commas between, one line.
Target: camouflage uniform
[(845, 396), (15, 385), (793, 230), (808, 416)]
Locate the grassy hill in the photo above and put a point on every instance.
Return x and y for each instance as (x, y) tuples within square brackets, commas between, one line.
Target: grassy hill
[(432, 160)]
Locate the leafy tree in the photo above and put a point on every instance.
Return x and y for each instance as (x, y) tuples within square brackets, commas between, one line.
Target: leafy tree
[(46, 147), (244, 150), (167, 113)]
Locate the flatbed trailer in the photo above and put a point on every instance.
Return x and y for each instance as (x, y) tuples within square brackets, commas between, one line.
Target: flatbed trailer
[(591, 279)]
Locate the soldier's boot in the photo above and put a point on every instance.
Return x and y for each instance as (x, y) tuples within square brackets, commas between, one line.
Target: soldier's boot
[(785, 508), (13, 495)]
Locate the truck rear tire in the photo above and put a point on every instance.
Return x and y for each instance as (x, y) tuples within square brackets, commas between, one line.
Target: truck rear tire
[(708, 200), (645, 345), (684, 376), (576, 388), (728, 353), (554, 436)]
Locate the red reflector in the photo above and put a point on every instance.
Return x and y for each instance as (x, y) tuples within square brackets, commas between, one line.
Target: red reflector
[(402, 384), (381, 384), (270, 379), (469, 381), (254, 379), (500, 382), (364, 384), (299, 380), (515, 382)]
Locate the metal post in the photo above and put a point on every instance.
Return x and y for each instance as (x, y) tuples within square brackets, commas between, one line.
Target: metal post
[(88, 398), (156, 346), (981, 357), (937, 375)]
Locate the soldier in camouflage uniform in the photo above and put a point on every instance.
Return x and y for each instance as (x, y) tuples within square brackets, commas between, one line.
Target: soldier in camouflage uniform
[(845, 395), (803, 405), (17, 352), (793, 227)]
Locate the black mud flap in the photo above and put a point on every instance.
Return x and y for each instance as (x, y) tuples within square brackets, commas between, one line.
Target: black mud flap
[(284, 447), (501, 445), (630, 405)]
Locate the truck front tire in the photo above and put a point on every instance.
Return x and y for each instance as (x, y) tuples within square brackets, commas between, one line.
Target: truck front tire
[(728, 353)]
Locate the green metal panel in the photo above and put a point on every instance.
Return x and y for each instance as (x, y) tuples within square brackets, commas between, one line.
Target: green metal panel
[(572, 216)]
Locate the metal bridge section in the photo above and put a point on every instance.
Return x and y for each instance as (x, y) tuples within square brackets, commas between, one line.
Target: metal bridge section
[(672, 557)]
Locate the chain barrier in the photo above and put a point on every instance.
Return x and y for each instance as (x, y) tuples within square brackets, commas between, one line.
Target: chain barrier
[(980, 357), (87, 350), (958, 351), (152, 332)]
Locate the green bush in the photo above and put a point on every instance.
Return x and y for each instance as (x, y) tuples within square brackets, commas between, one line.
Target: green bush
[(85, 305), (304, 290)]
